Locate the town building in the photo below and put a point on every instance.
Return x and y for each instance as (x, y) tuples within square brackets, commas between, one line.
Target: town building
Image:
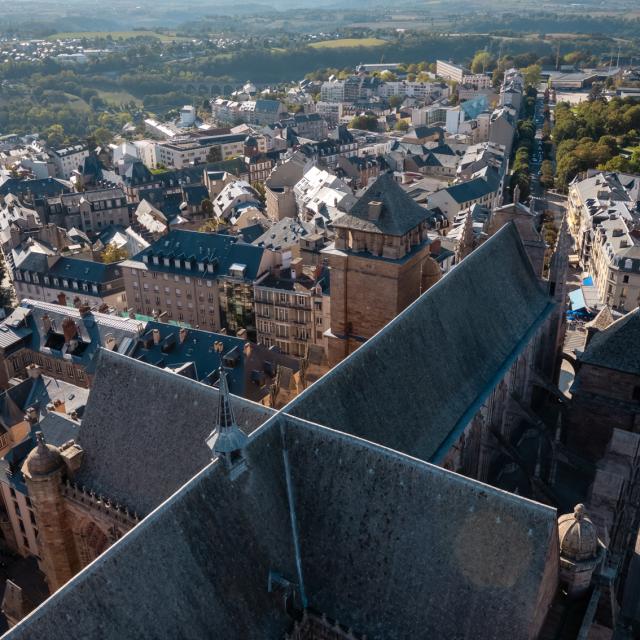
[(203, 279), (54, 278), (293, 308), (61, 341), (456, 73), (91, 210), (69, 159)]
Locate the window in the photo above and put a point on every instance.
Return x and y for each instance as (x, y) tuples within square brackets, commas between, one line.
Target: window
[(625, 279), (187, 280), (636, 394)]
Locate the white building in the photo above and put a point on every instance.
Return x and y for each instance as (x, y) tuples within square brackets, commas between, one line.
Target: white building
[(69, 159)]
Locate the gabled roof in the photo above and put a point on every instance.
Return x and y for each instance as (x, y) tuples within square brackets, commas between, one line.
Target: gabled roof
[(433, 366), (470, 190), (616, 346), (137, 411), (400, 214)]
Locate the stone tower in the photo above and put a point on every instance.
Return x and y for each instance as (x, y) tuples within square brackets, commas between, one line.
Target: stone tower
[(580, 551), (379, 264), (43, 470)]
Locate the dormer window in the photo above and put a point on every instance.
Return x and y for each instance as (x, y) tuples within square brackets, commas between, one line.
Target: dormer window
[(156, 260), (210, 268), (94, 288), (56, 282), (201, 266), (46, 280), (65, 283), (145, 258), (167, 262)]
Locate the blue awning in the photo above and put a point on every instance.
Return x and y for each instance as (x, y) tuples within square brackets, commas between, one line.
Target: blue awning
[(577, 300)]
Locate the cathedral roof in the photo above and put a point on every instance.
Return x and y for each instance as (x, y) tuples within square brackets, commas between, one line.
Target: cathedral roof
[(610, 348), (143, 430), (391, 546), (415, 385)]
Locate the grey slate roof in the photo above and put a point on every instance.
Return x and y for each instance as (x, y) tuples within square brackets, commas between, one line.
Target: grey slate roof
[(137, 411), (616, 347), (399, 214), (415, 385), (217, 249), (391, 546), (471, 190)]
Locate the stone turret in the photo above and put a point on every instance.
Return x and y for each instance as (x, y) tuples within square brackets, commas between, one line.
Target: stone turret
[(43, 471), (580, 550), (431, 273)]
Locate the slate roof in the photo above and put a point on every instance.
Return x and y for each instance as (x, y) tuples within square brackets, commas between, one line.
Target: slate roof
[(38, 188), (215, 249), (400, 214), (137, 411), (470, 190), (612, 347), (85, 270), (433, 366), (393, 547), (284, 233)]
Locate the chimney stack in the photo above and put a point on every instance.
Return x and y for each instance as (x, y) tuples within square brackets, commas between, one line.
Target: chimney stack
[(62, 299), (69, 329), (46, 323), (85, 310), (34, 371), (375, 209), (156, 336), (183, 334)]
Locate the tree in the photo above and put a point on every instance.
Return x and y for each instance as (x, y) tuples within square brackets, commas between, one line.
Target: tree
[(206, 206), (112, 253), (532, 75), (402, 125), (215, 154), (55, 136), (212, 225), (364, 122), (481, 62)]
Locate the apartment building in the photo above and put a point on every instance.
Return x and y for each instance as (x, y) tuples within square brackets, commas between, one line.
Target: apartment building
[(69, 159), (182, 152), (292, 308), (90, 211), (456, 73), (53, 278), (604, 219), (201, 279), (334, 90)]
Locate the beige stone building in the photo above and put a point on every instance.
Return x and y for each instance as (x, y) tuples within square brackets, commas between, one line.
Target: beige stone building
[(292, 309), (202, 279), (605, 224)]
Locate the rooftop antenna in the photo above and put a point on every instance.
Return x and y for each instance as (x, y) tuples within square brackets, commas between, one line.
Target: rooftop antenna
[(618, 60), (558, 57)]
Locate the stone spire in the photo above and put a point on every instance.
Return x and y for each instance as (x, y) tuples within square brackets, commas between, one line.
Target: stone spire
[(226, 440)]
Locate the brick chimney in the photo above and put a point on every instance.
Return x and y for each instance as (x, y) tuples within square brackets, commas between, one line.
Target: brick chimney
[(34, 371), (156, 336), (69, 329), (85, 310), (62, 299), (183, 333)]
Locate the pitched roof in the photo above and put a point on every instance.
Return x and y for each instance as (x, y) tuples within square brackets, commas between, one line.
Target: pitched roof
[(217, 249), (470, 190), (138, 412), (434, 364), (400, 214), (393, 547), (613, 347)]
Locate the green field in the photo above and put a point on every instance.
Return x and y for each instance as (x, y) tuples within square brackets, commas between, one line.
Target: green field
[(349, 42), (118, 97), (116, 35)]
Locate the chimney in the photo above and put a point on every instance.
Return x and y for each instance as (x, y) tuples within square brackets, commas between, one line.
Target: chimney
[(31, 416), (62, 299), (85, 310), (156, 336), (34, 371), (241, 333), (183, 334), (247, 349), (69, 329), (132, 314), (375, 209), (46, 323), (296, 268)]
